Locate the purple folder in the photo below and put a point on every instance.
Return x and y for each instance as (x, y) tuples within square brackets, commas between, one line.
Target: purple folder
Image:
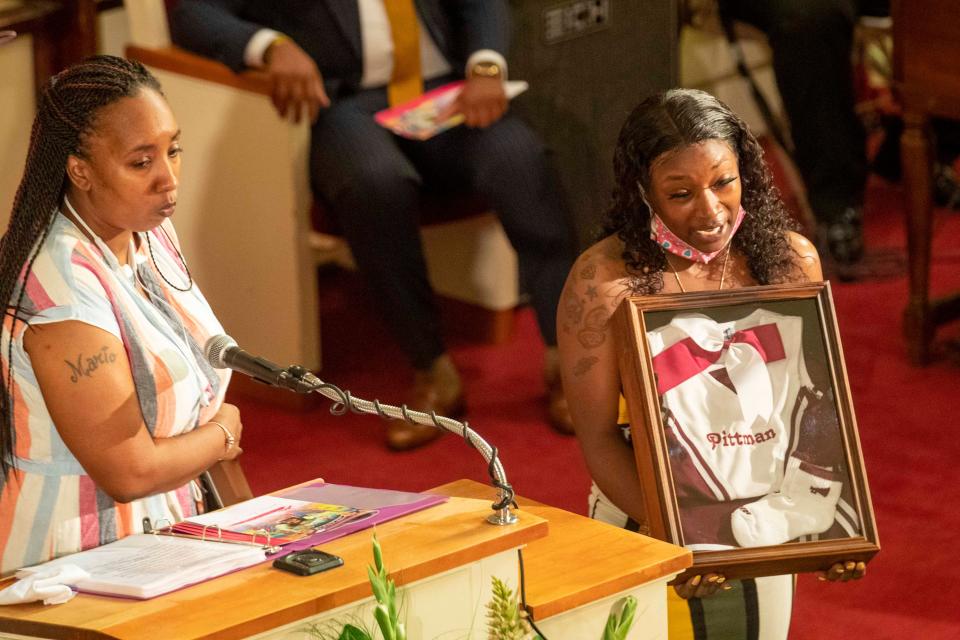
[(384, 505)]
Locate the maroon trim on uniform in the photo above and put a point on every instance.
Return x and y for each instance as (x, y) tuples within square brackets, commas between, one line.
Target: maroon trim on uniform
[(722, 376), (686, 358), (687, 480), (820, 472), (678, 429), (792, 428)]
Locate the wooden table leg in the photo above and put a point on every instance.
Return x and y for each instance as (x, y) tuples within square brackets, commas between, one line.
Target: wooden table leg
[(917, 160)]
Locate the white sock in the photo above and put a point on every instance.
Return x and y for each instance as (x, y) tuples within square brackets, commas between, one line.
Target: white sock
[(805, 504)]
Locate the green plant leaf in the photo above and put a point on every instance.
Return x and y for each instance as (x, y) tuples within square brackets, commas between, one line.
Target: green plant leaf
[(385, 613), (392, 601), (376, 584), (620, 619), (385, 623), (377, 553), (351, 632)]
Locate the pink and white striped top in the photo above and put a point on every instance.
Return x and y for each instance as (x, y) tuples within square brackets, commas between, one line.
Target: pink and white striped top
[(49, 506)]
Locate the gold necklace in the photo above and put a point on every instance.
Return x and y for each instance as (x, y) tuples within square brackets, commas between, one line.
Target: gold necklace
[(723, 270)]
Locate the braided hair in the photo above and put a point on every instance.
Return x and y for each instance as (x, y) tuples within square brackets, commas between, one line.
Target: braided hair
[(66, 116), (674, 120)]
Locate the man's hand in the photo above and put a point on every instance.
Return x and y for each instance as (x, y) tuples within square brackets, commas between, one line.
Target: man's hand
[(482, 102), (296, 84)]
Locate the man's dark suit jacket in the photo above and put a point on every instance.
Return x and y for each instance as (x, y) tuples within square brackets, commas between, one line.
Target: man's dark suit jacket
[(329, 30)]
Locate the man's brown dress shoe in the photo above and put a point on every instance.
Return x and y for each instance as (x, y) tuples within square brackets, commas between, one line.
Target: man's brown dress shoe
[(436, 390)]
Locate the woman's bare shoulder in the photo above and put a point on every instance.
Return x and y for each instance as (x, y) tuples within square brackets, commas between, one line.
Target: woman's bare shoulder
[(603, 261), (807, 252), (597, 283)]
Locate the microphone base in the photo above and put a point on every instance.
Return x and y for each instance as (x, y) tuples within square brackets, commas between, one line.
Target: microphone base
[(503, 517)]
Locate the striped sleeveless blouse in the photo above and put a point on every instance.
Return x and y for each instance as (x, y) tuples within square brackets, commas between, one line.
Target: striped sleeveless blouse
[(48, 505)]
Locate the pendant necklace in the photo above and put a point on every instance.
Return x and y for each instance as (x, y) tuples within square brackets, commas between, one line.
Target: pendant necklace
[(723, 270)]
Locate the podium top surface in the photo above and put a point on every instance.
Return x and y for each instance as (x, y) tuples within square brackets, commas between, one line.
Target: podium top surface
[(251, 601), (582, 560)]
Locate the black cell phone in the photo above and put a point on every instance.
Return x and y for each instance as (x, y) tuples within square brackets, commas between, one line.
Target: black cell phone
[(308, 562)]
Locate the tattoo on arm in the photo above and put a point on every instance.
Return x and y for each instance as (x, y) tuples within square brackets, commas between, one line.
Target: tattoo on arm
[(572, 309), (582, 289), (573, 302), (584, 365), (594, 330), (85, 366)]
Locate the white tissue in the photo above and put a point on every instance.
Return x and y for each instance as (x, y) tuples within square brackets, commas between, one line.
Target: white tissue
[(50, 585)]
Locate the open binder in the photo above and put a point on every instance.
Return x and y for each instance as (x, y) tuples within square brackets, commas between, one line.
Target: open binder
[(210, 545), (145, 565), (269, 521), (302, 516)]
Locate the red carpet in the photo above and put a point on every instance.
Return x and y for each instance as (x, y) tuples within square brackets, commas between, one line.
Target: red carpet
[(905, 421), (903, 413)]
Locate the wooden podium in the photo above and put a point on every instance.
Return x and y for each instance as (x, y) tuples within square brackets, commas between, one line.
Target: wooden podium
[(443, 558)]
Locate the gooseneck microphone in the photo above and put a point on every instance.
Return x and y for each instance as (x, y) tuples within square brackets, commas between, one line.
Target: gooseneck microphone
[(222, 352)]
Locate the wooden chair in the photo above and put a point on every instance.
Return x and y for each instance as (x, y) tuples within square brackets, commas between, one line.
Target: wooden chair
[(926, 37), (244, 210), (225, 484)]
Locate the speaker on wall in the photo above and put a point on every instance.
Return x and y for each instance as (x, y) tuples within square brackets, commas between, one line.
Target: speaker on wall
[(589, 62)]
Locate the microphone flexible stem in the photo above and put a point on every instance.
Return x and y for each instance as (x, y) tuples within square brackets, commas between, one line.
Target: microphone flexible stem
[(344, 401)]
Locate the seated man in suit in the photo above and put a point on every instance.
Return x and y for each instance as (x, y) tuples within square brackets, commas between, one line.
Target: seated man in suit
[(339, 62)]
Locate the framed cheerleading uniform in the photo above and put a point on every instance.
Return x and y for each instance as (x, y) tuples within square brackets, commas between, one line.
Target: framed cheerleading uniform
[(734, 395)]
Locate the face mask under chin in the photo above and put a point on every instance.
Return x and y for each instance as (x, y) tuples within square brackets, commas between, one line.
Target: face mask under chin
[(669, 241)]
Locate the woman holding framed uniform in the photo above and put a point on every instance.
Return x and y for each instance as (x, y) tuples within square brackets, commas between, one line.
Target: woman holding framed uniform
[(694, 210)]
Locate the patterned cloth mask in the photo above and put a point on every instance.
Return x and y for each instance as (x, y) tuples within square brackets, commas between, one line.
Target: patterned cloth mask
[(669, 241)]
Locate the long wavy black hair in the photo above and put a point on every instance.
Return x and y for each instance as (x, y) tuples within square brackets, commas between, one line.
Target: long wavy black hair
[(66, 115), (671, 121)]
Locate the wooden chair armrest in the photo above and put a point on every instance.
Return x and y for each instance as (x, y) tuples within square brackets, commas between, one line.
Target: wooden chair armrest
[(230, 482), (177, 60)]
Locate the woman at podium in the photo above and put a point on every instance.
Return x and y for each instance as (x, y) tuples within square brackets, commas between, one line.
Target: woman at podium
[(694, 209), (108, 411)]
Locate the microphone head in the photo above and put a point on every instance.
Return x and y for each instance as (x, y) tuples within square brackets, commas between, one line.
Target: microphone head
[(215, 349)]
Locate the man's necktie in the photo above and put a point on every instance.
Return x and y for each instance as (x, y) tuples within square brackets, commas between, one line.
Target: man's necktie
[(406, 83)]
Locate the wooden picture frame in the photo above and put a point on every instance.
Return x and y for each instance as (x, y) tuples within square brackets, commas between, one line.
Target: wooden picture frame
[(743, 429)]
